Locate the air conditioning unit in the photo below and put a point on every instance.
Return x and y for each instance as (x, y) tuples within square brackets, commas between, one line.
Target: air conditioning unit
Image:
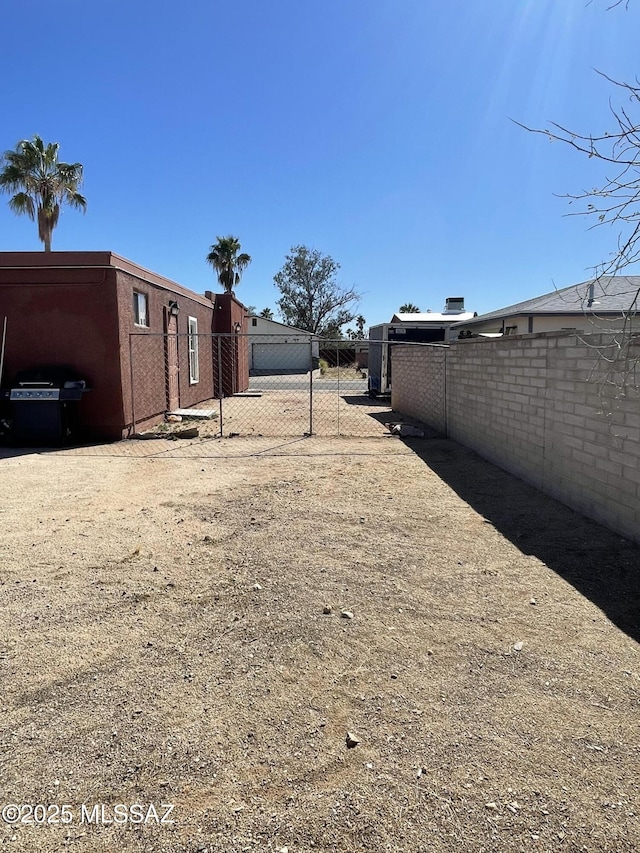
[(454, 305)]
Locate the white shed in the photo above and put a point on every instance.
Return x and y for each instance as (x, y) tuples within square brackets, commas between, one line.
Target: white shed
[(277, 348)]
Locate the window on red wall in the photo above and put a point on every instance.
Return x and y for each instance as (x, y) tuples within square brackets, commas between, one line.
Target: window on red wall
[(194, 364), (140, 308)]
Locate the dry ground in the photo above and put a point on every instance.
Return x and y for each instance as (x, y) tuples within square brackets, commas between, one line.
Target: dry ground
[(279, 412), (163, 641)]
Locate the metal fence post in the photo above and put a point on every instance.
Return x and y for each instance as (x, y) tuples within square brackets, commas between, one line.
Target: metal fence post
[(338, 394), (220, 379), (133, 396), (311, 386)]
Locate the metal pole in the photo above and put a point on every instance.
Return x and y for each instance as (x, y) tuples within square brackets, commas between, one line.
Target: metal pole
[(220, 379), (338, 394), (4, 337), (133, 396), (311, 386)]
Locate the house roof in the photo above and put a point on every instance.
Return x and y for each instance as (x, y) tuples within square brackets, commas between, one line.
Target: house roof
[(432, 317), (611, 295), (282, 325)]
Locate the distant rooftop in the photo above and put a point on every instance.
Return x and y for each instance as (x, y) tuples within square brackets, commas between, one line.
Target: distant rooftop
[(432, 317)]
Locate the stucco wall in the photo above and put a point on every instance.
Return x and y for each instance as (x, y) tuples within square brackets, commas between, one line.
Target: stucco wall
[(581, 322), (534, 406), (148, 400), (76, 308), (66, 316)]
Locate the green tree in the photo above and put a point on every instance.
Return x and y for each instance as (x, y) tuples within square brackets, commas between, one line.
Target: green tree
[(39, 184), (228, 261), (267, 313), (409, 308), (311, 297), (358, 334)]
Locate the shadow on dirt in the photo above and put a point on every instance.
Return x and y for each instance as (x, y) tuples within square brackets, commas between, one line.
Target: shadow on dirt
[(602, 565)]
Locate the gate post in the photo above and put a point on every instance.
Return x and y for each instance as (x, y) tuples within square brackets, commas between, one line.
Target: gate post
[(311, 386), (338, 394), (220, 379)]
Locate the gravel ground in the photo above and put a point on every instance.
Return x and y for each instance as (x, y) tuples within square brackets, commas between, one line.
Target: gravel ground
[(164, 641)]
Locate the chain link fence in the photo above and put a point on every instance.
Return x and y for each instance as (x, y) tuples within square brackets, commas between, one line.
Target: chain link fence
[(250, 384)]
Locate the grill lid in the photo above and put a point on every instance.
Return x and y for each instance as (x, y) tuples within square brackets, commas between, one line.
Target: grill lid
[(48, 376)]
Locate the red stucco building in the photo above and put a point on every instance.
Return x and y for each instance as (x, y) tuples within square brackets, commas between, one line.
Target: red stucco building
[(144, 344)]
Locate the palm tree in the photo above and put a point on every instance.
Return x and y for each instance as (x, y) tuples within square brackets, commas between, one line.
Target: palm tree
[(409, 308), (40, 184), (267, 313), (227, 260)]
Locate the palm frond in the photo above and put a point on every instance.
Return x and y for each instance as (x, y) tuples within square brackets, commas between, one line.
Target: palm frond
[(40, 182), (22, 203), (227, 260)]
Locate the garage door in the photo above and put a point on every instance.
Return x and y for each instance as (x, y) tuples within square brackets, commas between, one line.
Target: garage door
[(280, 358)]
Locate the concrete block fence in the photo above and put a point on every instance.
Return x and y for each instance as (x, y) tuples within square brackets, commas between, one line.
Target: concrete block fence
[(546, 407)]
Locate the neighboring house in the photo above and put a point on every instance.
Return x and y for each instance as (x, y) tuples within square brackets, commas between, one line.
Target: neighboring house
[(277, 348), (142, 343), (434, 325), (426, 327), (592, 306)]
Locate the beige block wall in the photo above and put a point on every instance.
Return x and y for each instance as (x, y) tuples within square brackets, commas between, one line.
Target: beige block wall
[(418, 386), (533, 405)]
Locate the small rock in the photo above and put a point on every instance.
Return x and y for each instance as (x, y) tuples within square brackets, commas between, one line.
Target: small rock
[(517, 647), (351, 740), (327, 610), (257, 587), (174, 419), (491, 806), (533, 601), (346, 614)]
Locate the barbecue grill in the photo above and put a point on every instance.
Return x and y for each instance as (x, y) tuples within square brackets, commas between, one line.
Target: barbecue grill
[(42, 404)]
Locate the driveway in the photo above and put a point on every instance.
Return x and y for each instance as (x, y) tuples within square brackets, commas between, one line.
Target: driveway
[(173, 634)]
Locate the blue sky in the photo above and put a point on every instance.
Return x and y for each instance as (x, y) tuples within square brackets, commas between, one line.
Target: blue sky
[(377, 131)]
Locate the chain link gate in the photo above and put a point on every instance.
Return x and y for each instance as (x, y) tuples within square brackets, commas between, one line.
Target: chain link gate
[(250, 384)]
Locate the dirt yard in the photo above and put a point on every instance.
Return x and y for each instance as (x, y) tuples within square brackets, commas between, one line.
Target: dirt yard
[(164, 640), (289, 413)]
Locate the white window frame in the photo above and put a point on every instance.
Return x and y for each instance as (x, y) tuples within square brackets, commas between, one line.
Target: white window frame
[(194, 360), (140, 309)]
